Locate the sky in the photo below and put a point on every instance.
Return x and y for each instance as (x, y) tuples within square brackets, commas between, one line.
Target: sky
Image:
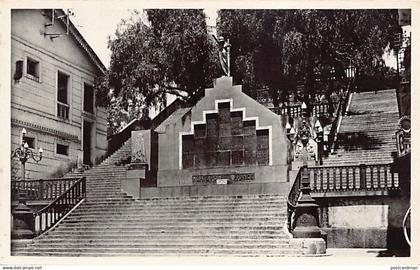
[(96, 34)]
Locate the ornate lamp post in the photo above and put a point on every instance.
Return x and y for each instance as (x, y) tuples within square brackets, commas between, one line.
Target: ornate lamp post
[(306, 231), (22, 215), (319, 139)]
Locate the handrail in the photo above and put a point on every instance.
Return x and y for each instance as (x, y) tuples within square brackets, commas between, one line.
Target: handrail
[(339, 113), (353, 178), (292, 199), (48, 216), (42, 189), (406, 216)]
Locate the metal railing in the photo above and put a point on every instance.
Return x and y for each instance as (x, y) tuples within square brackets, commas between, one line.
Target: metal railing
[(41, 189), (48, 216), (293, 198)]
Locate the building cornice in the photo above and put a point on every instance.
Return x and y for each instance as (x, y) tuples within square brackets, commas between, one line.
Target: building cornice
[(45, 130)]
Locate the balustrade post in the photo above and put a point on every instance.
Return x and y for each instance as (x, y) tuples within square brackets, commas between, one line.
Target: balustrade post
[(84, 187), (362, 171), (22, 216), (307, 232)]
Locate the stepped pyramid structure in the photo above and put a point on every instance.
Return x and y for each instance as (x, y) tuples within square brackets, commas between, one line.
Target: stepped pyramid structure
[(366, 134)]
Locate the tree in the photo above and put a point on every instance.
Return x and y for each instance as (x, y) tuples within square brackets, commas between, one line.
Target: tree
[(169, 53), (277, 49)]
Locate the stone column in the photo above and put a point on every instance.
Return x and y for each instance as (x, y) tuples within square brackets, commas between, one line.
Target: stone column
[(139, 165)]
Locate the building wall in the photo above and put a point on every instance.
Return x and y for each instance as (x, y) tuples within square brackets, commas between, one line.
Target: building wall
[(364, 222), (171, 173), (34, 103)]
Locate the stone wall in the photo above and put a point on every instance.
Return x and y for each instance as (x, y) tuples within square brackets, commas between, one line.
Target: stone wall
[(364, 222), (226, 132)]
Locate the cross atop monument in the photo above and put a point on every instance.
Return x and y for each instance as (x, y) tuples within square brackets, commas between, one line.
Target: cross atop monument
[(224, 54)]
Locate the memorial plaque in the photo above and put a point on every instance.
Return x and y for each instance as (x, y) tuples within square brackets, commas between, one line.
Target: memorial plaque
[(187, 160), (200, 160), (211, 158), (236, 121), (212, 125), (211, 143), (223, 158), (224, 115), (188, 143), (237, 157), (262, 157), (233, 178), (224, 143), (250, 157), (237, 142), (262, 139), (249, 127), (221, 181), (224, 129), (250, 142), (200, 131), (200, 145)]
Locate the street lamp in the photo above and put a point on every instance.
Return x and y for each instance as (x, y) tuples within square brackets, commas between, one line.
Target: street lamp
[(23, 153), (319, 136), (22, 214)]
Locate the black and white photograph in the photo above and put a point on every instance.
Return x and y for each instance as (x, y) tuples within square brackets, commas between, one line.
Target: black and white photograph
[(193, 131)]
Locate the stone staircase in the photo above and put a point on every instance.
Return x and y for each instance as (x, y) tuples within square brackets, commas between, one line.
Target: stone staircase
[(367, 132), (110, 223), (121, 154)]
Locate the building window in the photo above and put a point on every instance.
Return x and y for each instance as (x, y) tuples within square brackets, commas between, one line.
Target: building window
[(30, 141), (62, 95), (88, 98), (32, 69), (62, 149)]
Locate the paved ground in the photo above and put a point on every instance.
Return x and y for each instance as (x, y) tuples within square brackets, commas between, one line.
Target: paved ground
[(362, 252)]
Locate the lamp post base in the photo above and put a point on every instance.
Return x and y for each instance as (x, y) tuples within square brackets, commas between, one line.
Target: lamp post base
[(22, 224), (310, 246)]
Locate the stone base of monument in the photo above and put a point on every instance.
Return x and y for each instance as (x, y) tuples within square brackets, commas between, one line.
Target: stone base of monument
[(216, 190), (298, 163), (135, 174), (309, 246)]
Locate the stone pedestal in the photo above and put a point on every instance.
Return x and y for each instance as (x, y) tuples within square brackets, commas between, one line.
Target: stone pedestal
[(306, 225), (135, 174), (23, 220), (309, 246)]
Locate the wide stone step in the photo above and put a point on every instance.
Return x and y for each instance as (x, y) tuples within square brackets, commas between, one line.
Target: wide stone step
[(185, 253), (162, 246), (182, 208), (162, 214), (165, 237), (171, 220), (174, 223), (217, 248), (170, 228)]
